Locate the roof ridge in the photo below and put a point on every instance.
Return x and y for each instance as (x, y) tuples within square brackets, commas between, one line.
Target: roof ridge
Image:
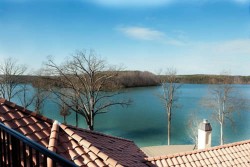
[(53, 136), (53, 140), (89, 145), (197, 151), (99, 133), (26, 111)]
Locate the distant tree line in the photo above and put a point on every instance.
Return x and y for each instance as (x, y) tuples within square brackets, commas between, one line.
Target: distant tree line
[(212, 79), (129, 79)]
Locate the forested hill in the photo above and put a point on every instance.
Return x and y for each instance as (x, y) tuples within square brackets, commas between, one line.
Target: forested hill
[(211, 79), (128, 79)]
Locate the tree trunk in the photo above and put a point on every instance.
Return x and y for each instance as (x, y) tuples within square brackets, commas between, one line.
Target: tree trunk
[(169, 130), (37, 106), (91, 114), (76, 119), (221, 134), (91, 125), (64, 119), (169, 125)]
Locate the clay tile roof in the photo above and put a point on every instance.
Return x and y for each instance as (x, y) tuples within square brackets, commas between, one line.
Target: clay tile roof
[(30, 124), (83, 147), (234, 154), (53, 140), (88, 148), (112, 150)]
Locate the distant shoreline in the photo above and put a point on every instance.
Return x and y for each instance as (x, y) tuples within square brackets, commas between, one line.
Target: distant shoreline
[(130, 79)]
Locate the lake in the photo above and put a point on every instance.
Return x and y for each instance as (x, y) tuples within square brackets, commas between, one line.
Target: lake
[(144, 121)]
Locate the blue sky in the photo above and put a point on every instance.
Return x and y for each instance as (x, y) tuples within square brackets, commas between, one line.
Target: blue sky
[(193, 36)]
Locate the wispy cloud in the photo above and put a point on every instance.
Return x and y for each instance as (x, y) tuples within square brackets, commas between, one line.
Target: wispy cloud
[(241, 1), (233, 47), (138, 3), (142, 33), (155, 3), (214, 57), (148, 34), (17, 1)]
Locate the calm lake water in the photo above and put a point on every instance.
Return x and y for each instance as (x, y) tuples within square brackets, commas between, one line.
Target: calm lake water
[(144, 121)]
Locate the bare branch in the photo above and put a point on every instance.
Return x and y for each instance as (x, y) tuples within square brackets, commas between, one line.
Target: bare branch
[(223, 101), (170, 86), (9, 70), (82, 79)]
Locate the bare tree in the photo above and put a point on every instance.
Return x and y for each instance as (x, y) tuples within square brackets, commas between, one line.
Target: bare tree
[(223, 100), (9, 81), (41, 91), (64, 110), (86, 79), (25, 95), (170, 86), (192, 125), (34, 90)]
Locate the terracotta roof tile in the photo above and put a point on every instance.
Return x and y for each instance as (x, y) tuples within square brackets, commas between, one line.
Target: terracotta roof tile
[(182, 165), (185, 160), (164, 163), (169, 161), (174, 160), (194, 157), (112, 162), (158, 163), (53, 137), (207, 162), (188, 165), (83, 147), (211, 161), (99, 163), (234, 154), (91, 164), (203, 155), (190, 159), (180, 161), (193, 164), (103, 156), (203, 163)]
